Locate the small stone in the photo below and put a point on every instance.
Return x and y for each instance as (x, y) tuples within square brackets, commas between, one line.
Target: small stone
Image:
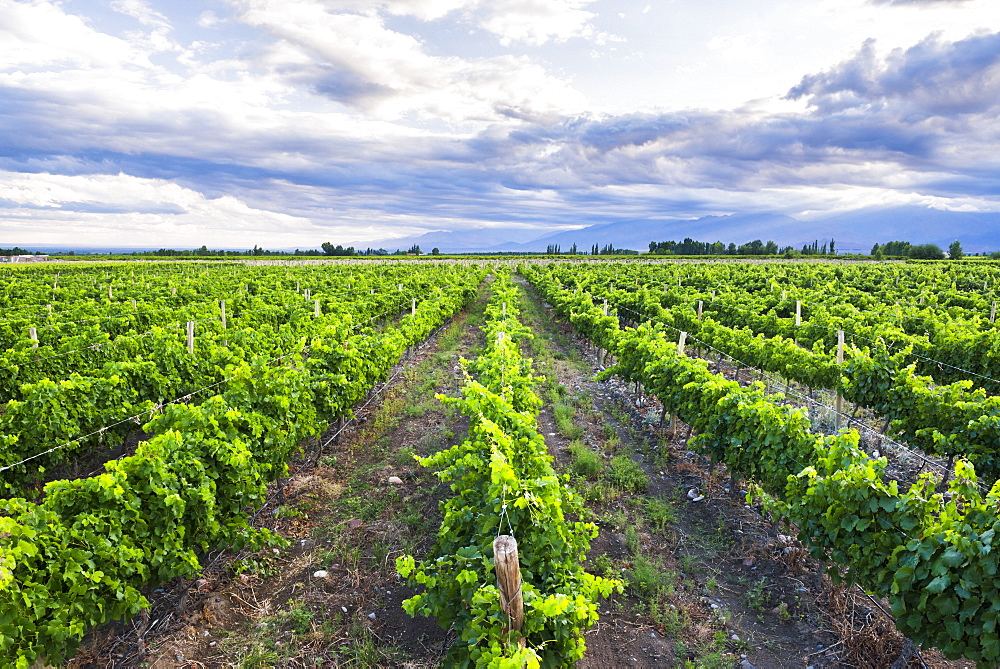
[(344, 609), (746, 665), (276, 551), (735, 638), (692, 493), (749, 562), (322, 573), (204, 633), (395, 480), (372, 616), (213, 644), (354, 523)]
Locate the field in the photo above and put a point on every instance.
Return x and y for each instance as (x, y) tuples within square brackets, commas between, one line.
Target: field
[(704, 464)]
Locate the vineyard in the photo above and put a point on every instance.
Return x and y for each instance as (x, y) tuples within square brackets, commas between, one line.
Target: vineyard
[(178, 432)]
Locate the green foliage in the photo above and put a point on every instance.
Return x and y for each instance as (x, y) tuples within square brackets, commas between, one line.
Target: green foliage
[(504, 482), (933, 557), (625, 473), (585, 462), (81, 555)]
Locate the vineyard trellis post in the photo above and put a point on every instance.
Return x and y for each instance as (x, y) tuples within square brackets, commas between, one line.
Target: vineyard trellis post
[(508, 570), (840, 361)]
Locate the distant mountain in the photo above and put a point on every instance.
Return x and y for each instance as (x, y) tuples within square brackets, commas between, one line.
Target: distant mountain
[(856, 231), (861, 229), (459, 241), (638, 233)]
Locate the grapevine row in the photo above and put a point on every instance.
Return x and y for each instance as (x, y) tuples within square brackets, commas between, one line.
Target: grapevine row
[(80, 556), (949, 420), (504, 483), (932, 556)]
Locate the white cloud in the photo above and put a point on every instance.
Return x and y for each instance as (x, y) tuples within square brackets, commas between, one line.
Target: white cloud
[(142, 12), (357, 60), (123, 209), (538, 21), (38, 34)]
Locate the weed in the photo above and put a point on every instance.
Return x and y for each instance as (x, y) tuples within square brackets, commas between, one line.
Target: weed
[(670, 619), (755, 596), (563, 414), (586, 463), (261, 566), (648, 582), (285, 511), (632, 540), (627, 475), (405, 456), (660, 513)]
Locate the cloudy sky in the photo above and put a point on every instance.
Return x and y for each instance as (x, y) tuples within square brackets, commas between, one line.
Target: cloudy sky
[(286, 123)]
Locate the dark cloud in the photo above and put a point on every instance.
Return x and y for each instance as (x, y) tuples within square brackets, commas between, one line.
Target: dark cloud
[(933, 77)]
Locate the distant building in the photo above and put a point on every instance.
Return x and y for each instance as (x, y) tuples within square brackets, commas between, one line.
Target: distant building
[(26, 258)]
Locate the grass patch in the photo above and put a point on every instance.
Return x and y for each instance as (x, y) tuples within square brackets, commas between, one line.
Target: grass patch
[(627, 475), (660, 513), (585, 462)]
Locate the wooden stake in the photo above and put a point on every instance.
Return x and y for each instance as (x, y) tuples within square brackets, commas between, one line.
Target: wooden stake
[(33, 335), (222, 307), (509, 579), (680, 342), (190, 336), (798, 313), (700, 305), (840, 361), (993, 312), (413, 307), (316, 311)]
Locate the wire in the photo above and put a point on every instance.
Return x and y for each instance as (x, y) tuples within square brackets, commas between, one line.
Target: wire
[(762, 372), (186, 396)]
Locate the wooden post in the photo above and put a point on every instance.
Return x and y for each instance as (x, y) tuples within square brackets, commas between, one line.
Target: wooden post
[(504, 313), (173, 291), (413, 307), (316, 308), (509, 580), (993, 312), (798, 313), (110, 294), (680, 342), (308, 294), (222, 307), (134, 305), (700, 305), (190, 336), (33, 335), (840, 361), (296, 286), (921, 299), (784, 295)]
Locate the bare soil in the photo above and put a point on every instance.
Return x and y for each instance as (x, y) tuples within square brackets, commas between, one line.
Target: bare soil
[(710, 581)]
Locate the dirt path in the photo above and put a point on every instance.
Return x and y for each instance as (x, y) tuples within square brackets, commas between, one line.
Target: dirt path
[(710, 582)]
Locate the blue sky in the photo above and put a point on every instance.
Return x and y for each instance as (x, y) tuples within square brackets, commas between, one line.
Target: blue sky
[(286, 123)]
